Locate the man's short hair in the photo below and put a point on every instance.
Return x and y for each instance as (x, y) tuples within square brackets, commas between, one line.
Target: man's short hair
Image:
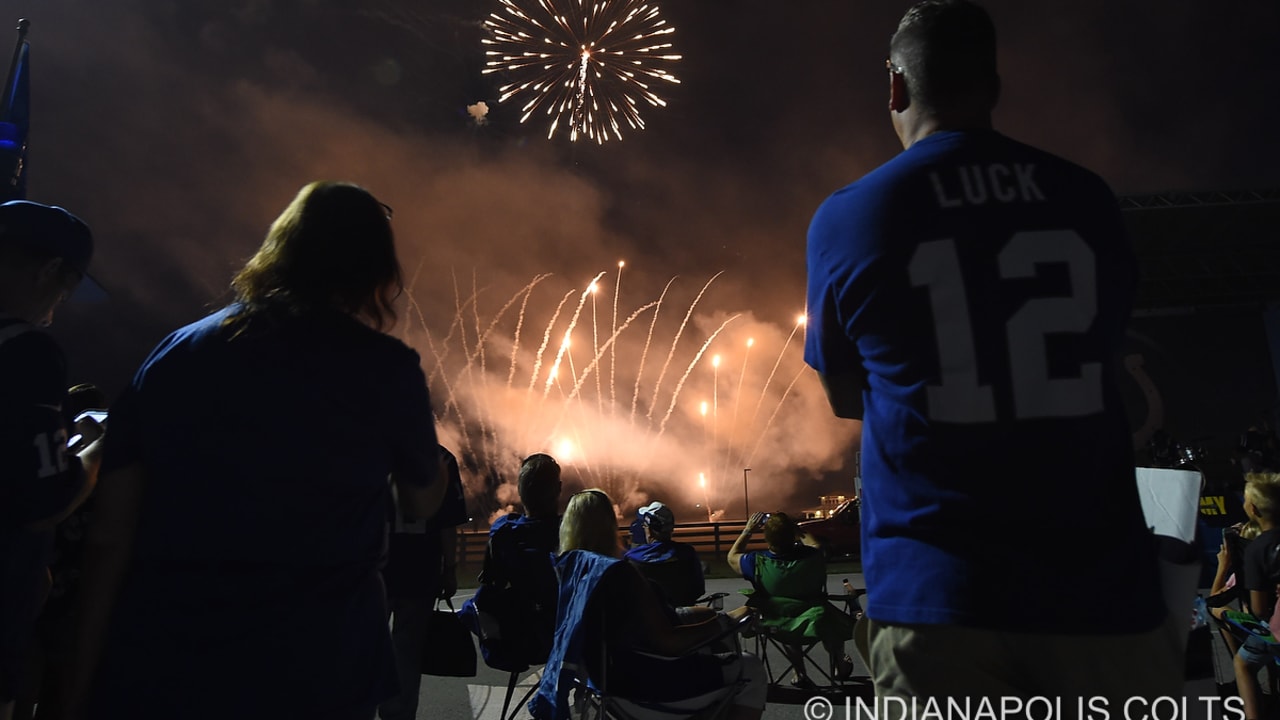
[(947, 52), (538, 473)]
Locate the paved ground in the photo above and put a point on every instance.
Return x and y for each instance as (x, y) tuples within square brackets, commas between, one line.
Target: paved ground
[(480, 698)]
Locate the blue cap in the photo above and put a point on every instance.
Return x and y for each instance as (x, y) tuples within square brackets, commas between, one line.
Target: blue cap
[(53, 230)]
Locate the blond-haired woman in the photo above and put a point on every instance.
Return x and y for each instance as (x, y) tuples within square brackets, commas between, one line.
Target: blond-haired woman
[(605, 602)]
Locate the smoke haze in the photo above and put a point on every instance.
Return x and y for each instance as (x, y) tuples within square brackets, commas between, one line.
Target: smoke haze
[(178, 130)]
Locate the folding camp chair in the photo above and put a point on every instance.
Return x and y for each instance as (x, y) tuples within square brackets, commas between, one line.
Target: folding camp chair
[(623, 683), (674, 579), (795, 612), (514, 608), (593, 701), (766, 637)]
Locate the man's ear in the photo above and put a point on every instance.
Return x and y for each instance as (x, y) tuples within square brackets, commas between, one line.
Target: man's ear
[(899, 98), (49, 269)]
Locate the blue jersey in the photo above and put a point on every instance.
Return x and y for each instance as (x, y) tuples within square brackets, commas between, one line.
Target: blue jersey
[(266, 449), (981, 288), (38, 480)]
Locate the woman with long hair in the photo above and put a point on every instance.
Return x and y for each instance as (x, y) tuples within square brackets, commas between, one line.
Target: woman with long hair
[(233, 564)]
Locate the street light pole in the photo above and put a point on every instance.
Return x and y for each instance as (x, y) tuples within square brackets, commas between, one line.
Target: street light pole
[(746, 502)]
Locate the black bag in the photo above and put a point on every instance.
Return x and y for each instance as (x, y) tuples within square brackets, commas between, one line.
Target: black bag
[(447, 648)]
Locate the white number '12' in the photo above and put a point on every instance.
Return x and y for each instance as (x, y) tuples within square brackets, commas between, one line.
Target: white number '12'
[(52, 453), (959, 398)]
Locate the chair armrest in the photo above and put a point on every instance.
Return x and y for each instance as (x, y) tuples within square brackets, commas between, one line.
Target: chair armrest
[(730, 629), (1222, 599)]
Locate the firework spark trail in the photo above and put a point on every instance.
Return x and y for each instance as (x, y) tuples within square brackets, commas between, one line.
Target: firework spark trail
[(438, 373), (568, 353), (644, 354), (613, 352), (582, 459), (676, 395), (769, 424), (595, 349), (467, 369), (454, 325), (715, 415), (737, 401), (763, 391), (591, 367), (515, 344), (537, 365), (671, 353), (463, 435), (413, 301), (573, 398), (483, 336), (484, 398), (588, 65), (573, 322), (546, 340)]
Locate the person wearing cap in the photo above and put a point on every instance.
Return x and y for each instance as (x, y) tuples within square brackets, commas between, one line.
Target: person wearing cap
[(680, 576), (44, 255)]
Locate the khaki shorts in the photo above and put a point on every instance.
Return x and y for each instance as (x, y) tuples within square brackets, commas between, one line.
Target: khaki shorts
[(1068, 675)]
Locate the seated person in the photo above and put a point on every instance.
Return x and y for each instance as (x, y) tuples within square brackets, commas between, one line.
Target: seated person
[(1227, 591), (513, 611), (604, 601), (790, 593), (1260, 572), (673, 567)]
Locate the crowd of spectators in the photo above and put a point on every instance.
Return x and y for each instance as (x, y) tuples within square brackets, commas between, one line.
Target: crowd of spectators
[(966, 302)]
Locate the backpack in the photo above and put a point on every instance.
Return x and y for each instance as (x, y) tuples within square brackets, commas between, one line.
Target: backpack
[(515, 604)]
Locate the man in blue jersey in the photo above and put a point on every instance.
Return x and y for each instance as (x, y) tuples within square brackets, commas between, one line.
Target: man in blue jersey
[(44, 255), (514, 609), (967, 301)]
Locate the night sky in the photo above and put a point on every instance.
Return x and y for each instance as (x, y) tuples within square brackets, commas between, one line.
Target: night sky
[(179, 128)]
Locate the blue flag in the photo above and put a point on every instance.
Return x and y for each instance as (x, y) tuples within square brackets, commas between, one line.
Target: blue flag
[(15, 121)]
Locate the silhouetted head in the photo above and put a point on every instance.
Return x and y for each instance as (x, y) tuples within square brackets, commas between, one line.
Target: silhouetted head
[(332, 247), (659, 521), (44, 256), (539, 485), (947, 51), (1262, 494), (780, 532), (942, 69), (85, 396)]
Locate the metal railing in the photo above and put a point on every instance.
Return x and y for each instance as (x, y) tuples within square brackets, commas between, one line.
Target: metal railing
[(711, 540)]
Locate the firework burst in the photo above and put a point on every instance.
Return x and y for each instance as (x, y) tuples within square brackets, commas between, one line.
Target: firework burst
[(586, 64)]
